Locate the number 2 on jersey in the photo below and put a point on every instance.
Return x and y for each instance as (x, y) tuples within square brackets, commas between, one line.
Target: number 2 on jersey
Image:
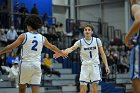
[(35, 42), (90, 53)]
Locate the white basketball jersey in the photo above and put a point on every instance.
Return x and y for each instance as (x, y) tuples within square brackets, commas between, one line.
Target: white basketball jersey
[(32, 47), (89, 51)]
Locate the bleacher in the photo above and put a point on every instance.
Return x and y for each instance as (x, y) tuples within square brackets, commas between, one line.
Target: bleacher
[(54, 84)]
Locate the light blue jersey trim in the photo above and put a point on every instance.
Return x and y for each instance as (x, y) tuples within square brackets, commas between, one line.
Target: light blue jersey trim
[(34, 32), (83, 81), (100, 72), (88, 43), (98, 81), (34, 84), (80, 49)]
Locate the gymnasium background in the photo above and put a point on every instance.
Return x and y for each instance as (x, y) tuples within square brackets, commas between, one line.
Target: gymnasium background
[(111, 21)]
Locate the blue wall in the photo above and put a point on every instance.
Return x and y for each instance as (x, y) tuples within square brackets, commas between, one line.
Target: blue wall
[(1, 2), (43, 5)]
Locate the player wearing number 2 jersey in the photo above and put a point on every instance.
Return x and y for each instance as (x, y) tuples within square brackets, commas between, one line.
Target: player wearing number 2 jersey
[(32, 43), (90, 47)]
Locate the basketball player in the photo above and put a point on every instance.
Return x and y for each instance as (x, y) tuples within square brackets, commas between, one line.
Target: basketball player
[(135, 49), (90, 47), (32, 43)]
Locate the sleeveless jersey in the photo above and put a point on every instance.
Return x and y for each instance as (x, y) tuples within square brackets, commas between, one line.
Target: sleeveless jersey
[(135, 53), (89, 50), (32, 47), (136, 37)]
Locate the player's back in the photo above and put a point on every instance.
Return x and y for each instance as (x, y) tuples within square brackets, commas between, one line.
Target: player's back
[(32, 47)]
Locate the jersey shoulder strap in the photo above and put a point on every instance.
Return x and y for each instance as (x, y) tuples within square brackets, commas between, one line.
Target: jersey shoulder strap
[(132, 17), (97, 42)]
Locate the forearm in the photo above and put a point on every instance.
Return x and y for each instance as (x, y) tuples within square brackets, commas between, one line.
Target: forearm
[(69, 50), (6, 49), (134, 29)]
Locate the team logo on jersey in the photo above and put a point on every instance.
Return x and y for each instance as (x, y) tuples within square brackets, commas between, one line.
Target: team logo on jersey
[(90, 48)]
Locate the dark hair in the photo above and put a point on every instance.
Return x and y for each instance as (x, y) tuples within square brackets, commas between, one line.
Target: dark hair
[(34, 21), (89, 25), (133, 1)]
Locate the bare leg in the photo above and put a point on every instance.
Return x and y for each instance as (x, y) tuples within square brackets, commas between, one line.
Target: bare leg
[(22, 88), (83, 88), (35, 89), (94, 87), (136, 86)]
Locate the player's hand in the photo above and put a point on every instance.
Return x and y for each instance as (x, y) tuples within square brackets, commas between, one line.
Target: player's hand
[(127, 42), (107, 70), (56, 55), (63, 54)]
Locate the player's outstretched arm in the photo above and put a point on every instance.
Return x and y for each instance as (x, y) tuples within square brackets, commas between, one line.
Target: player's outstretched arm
[(71, 49), (54, 48), (135, 26), (15, 44), (104, 59), (67, 51)]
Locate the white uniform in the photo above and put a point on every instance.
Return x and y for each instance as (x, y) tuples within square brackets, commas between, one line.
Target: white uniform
[(90, 69), (30, 70)]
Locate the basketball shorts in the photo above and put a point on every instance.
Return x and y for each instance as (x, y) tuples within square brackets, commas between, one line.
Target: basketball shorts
[(30, 73), (135, 62), (90, 73)]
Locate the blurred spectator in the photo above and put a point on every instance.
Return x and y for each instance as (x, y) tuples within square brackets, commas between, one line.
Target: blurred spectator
[(13, 73), (44, 30), (45, 19), (11, 57), (1, 77), (47, 61), (47, 65), (16, 16), (60, 31), (3, 37), (74, 39), (52, 35), (11, 35), (23, 10), (2, 62), (34, 10), (123, 64), (16, 8), (117, 41)]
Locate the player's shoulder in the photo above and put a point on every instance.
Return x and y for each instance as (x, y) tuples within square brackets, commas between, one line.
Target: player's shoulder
[(135, 8)]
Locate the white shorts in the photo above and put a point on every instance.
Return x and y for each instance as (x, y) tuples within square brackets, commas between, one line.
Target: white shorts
[(90, 73), (30, 73)]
